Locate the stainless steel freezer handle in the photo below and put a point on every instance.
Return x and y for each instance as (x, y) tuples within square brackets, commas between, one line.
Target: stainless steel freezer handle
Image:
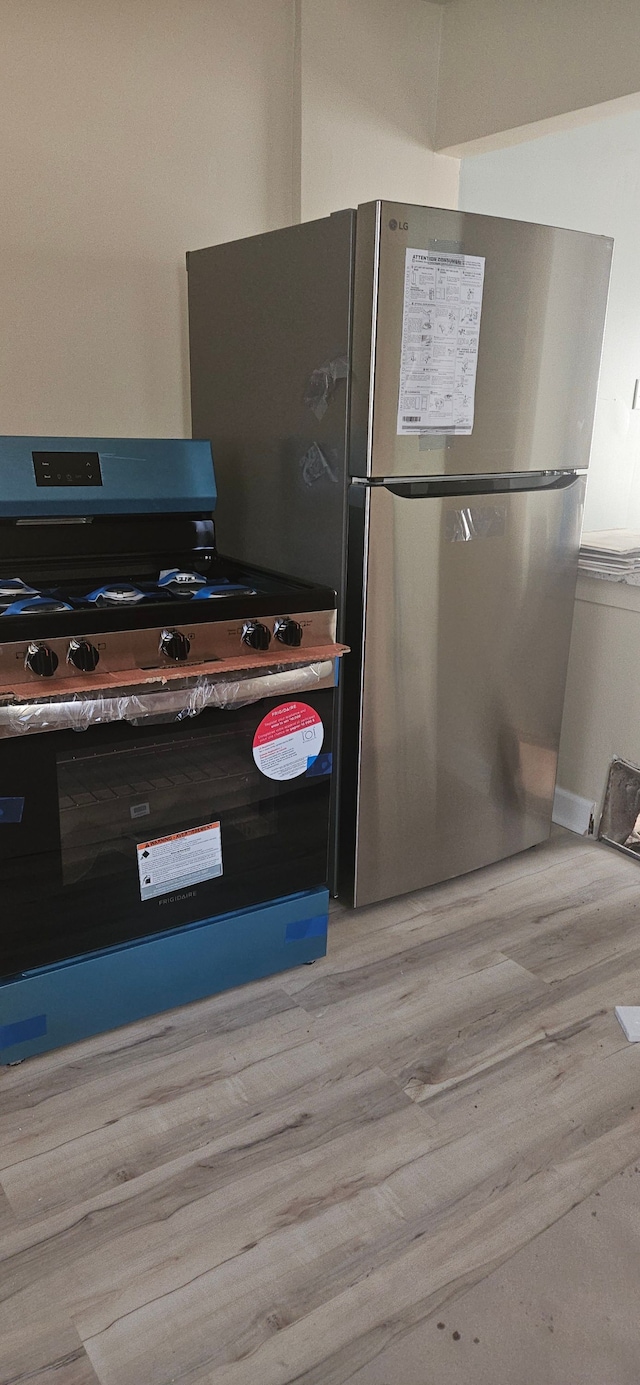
[(438, 487)]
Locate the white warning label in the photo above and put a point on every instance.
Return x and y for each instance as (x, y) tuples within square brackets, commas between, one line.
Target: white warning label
[(440, 338), (288, 740), (185, 858)]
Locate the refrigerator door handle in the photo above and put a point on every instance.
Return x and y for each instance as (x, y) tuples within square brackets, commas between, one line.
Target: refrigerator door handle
[(438, 487)]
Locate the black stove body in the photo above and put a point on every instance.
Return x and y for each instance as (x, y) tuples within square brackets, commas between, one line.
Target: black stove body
[(179, 845)]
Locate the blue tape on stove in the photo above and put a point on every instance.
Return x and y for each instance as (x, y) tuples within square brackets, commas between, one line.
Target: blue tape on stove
[(306, 928), (89, 994), (21, 1030), (319, 764)]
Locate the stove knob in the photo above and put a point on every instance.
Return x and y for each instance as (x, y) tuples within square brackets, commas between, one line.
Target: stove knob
[(175, 645), (83, 655), (256, 635), (288, 632), (41, 660)]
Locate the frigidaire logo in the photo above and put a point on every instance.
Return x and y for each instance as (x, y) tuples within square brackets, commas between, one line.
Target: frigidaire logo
[(174, 898), (398, 225)]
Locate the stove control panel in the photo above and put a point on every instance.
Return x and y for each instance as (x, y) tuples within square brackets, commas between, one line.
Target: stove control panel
[(111, 651), (67, 468)]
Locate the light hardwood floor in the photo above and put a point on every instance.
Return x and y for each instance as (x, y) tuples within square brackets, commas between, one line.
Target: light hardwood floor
[(281, 1183)]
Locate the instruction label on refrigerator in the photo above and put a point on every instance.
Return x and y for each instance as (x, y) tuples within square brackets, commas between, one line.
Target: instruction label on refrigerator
[(185, 858), (440, 335), (288, 740)]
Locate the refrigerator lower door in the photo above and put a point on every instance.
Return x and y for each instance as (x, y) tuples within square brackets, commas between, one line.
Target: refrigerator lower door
[(467, 605)]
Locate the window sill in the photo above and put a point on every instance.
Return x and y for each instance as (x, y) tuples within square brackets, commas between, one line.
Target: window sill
[(599, 592)]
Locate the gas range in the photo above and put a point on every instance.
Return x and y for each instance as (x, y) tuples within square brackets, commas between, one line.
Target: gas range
[(107, 568), (174, 819)]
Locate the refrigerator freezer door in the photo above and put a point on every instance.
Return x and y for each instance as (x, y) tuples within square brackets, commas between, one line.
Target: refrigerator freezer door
[(468, 605), (541, 326)]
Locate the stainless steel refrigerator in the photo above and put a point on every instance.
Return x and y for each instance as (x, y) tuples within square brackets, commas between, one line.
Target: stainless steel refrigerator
[(400, 401)]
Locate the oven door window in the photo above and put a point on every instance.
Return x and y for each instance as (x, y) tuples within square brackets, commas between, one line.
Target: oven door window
[(129, 830), (113, 804)]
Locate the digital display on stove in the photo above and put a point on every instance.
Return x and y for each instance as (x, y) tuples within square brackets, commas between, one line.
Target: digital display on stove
[(67, 468)]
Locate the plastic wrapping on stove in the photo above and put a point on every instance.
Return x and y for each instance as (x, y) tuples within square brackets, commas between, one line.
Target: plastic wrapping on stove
[(168, 704)]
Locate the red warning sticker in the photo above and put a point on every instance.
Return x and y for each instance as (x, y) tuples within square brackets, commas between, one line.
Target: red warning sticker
[(287, 740)]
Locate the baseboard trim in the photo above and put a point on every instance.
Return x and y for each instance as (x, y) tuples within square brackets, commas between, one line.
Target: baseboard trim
[(575, 813)]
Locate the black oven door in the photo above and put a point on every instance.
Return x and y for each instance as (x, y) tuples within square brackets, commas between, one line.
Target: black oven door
[(124, 830)]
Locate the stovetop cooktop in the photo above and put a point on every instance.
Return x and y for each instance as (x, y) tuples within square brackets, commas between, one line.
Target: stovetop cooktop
[(39, 607), (19, 598)]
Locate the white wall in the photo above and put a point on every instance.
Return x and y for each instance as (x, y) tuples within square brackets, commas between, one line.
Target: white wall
[(369, 73), (589, 179), (131, 131), (507, 63)]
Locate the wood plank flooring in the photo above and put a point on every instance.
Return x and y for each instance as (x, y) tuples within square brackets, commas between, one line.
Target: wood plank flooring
[(278, 1184), (562, 1311)]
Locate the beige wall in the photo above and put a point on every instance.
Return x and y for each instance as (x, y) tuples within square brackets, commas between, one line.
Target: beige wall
[(132, 130), (506, 63), (369, 73)]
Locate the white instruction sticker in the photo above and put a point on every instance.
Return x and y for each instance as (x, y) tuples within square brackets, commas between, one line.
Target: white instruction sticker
[(185, 858), (440, 335), (288, 740)]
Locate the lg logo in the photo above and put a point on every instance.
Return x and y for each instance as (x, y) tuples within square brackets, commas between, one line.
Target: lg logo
[(398, 225)]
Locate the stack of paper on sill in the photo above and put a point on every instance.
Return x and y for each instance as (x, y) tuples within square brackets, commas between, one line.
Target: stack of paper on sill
[(612, 554)]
